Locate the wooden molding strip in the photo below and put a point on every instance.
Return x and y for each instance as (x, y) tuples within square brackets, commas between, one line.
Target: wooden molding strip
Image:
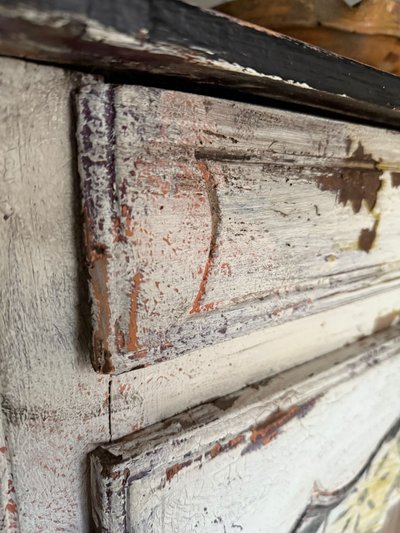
[(202, 467), (168, 37)]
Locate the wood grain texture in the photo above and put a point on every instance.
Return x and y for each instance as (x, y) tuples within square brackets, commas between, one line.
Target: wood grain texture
[(367, 33), (207, 219), (169, 38), (379, 51), (305, 433), (147, 395)]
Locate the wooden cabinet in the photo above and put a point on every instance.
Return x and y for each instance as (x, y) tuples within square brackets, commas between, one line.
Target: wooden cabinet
[(207, 219), (211, 344), (295, 453)]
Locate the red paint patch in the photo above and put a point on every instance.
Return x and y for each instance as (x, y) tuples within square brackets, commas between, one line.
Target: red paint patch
[(126, 213), (263, 433), (133, 343), (215, 450), (215, 216), (173, 470), (11, 506), (236, 441)]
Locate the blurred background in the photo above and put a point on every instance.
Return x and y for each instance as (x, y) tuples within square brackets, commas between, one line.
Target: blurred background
[(367, 30)]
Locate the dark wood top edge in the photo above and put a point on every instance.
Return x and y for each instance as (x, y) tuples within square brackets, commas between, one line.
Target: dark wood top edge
[(170, 38)]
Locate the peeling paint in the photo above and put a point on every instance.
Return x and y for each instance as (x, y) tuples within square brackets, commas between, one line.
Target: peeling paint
[(197, 248), (133, 343), (215, 221), (358, 181), (395, 179), (264, 432), (367, 237), (173, 470), (386, 320)]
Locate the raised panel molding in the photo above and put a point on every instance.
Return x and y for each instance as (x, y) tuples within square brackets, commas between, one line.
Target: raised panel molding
[(208, 219), (320, 436)]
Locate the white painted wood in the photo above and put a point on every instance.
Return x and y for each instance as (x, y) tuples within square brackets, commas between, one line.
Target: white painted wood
[(143, 397), (208, 219), (54, 408), (253, 460), (8, 518)]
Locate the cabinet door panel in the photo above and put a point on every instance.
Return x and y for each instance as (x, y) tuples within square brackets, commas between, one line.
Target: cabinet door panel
[(207, 219), (293, 454)]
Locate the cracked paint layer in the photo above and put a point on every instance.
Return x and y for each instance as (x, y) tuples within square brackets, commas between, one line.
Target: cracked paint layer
[(213, 457), (203, 222)]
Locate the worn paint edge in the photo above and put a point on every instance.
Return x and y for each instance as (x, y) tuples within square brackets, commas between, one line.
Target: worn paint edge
[(113, 471), (159, 37)]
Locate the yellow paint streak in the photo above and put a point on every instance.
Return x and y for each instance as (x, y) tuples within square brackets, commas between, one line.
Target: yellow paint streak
[(366, 507), (381, 165)]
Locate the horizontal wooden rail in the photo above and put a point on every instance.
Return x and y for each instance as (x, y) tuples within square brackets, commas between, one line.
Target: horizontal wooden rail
[(168, 37)]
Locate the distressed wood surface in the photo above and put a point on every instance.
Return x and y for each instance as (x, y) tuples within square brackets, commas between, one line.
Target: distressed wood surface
[(208, 219), (8, 507), (300, 437), (144, 396), (169, 38), (54, 408)]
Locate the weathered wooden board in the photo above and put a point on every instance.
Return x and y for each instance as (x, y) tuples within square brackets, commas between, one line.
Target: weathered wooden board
[(373, 17), (208, 219), (167, 37), (303, 437), (147, 395), (53, 407)]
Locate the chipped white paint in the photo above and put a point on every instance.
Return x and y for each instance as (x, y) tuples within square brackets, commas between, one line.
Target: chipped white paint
[(207, 219), (253, 460), (8, 508), (217, 370), (54, 408)]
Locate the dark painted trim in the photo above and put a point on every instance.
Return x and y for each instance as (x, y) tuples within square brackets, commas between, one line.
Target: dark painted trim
[(184, 37)]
